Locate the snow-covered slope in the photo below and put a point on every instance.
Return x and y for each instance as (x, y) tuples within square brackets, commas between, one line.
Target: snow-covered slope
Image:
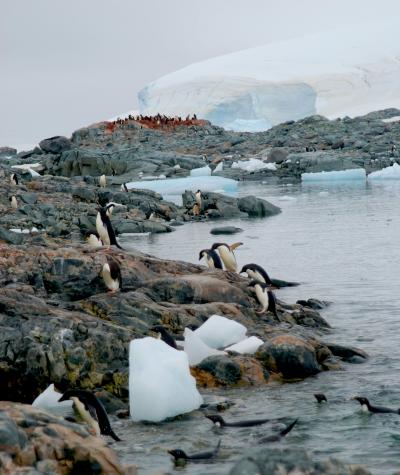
[(348, 71)]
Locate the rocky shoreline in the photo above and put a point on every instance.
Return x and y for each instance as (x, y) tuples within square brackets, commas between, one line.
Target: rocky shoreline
[(58, 322)]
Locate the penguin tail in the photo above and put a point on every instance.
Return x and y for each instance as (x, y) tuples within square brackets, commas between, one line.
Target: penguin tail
[(287, 429), (114, 436), (119, 247)]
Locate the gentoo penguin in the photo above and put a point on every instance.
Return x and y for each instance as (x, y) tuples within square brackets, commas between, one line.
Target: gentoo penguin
[(14, 179), (220, 422), (111, 273), (94, 240), (91, 410), (265, 296), (367, 407), (165, 336), (179, 455), (277, 437), (256, 272), (320, 397), (124, 187), (198, 197), (226, 254), (102, 181), (212, 258), (105, 229), (13, 202)]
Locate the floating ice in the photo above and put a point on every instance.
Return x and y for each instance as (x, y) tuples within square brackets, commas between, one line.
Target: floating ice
[(253, 165), (219, 167), (388, 173), (48, 400), (196, 349), (219, 332), (342, 175), (160, 383), (177, 186), (248, 346), (203, 171)]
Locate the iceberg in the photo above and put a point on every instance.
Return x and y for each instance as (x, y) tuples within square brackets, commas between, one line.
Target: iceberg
[(248, 346), (160, 383), (253, 165), (343, 71), (219, 332), (388, 173), (354, 174), (203, 171), (177, 186), (219, 167), (196, 349), (48, 400)]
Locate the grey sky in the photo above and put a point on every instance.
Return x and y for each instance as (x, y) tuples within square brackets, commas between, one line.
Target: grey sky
[(65, 64)]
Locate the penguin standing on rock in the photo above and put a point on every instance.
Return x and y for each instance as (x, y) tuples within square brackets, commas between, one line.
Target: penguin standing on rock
[(111, 273), (102, 181), (105, 230), (265, 296), (13, 202), (212, 258), (226, 254), (91, 410), (124, 188), (14, 179), (256, 272), (198, 197)]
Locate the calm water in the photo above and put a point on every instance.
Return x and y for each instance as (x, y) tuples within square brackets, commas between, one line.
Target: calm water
[(341, 241)]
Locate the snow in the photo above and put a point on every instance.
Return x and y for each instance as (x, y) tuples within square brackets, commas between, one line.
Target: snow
[(350, 70), (124, 115), (396, 118), (203, 171), (219, 332), (243, 125), (27, 166), (388, 173), (160, 383), (196, 349), (253, 165), (248, 346), (24, 231), (177, 186), (48, 400), (342, 175)]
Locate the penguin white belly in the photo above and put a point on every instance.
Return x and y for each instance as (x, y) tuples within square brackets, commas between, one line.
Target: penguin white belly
[(112, 284), (94, 241), (85, 415), (210, 262), (255, 275), (262, 297), (102, 230), (14, 203), (102, 181), (364, 408), (228, 258)]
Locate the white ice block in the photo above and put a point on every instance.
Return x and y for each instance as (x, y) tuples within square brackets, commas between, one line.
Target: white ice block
[(219, 332), (353, 174), (388, 173), (253, 165), (196, 349), (248, 346), (48, 400), (203, 171)]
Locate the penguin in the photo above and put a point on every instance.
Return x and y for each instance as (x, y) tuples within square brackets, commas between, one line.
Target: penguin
[(212, 258), (367, 407), (179, 455), (220, 422), (227, 255), (124, 187), (256, 272), (277, 437), (320, 398), (102, 181), (94, 240), (165, 336), (91, 410), (265, 296), (196, 210), (13, 202), (14, 179), (198, 197), (109, 209), (111, 273), (105, 230)]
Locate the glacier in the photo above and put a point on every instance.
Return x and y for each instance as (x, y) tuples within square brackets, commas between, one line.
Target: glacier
[(347, 71)]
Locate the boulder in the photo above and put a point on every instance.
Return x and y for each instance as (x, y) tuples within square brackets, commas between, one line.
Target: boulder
[(277, 155), (257, 207), (10, 237), (226, 230), (55, 145), (7, 152)]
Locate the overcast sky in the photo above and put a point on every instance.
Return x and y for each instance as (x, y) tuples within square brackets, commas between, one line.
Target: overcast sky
[(65, 64)]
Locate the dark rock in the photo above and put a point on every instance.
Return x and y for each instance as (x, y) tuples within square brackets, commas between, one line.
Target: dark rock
[(7, 152), (10, 237), (29, 198), (257, 207), (348, 353), (223, 368), (226, 230), (277, 155), (55, 144)]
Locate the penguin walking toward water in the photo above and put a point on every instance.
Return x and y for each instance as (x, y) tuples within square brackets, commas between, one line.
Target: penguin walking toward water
[(104, 229), (13, 202), (111, 273), (91, 410), (265, 296), (14, 179), (212, 258), (256, 272), (102, 181), (226, 253)]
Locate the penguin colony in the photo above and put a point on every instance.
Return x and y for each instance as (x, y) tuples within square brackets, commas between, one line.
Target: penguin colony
[(89, 409)]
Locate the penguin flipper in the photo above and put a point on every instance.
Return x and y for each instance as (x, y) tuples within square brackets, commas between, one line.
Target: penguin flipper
[(114, 436)]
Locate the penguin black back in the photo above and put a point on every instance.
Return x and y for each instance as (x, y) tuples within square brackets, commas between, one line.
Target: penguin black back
[(165, 336), (272, 303), (256, 269), (110, 229)]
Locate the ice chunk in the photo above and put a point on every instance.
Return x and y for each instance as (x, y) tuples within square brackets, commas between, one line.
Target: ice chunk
[(248, 346), (177, 186), (342, 175), (48, 400), (196, 349), (203, 171), (219, 332), (28, 166), (160, 383), (388, 173), (219, 167), (253, 165)]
